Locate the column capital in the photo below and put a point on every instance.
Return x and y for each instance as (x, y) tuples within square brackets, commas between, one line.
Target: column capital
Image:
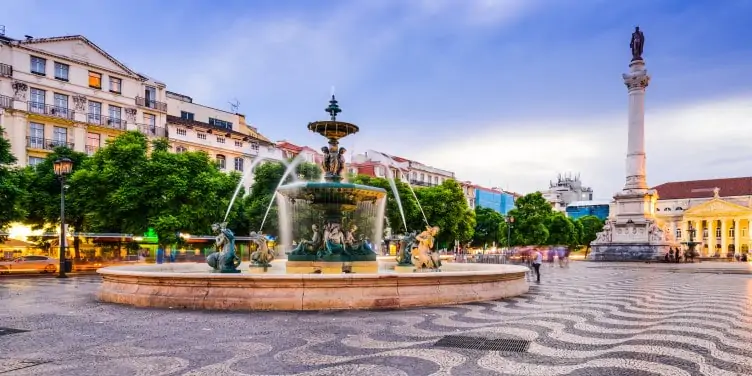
[(636, 80)]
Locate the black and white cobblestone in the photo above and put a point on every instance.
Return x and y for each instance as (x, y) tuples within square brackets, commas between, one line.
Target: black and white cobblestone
[(583, 320)]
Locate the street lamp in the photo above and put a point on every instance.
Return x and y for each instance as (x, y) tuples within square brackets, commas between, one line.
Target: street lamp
[(509, 220), (62, 167)]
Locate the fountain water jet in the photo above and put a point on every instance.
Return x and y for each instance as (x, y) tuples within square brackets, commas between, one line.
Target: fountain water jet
[(248, 172), (290, 167)]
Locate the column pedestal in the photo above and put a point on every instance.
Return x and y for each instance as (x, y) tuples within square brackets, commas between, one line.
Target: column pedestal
[(633, 233)]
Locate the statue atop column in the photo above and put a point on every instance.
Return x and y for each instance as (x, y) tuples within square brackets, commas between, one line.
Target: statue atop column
[(637, 44)]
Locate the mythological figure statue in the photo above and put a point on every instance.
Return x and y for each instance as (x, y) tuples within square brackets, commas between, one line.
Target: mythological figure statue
[(307, 247), (637, 44), (423, 256), (224, 259), (263, 256), (405, 255)]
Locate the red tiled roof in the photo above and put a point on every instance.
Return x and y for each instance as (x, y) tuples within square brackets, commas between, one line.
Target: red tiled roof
[(400, 159), (288, 146), (704, 188)]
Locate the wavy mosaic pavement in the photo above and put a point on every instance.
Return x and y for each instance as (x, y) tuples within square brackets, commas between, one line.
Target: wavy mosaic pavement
[(584, 320)]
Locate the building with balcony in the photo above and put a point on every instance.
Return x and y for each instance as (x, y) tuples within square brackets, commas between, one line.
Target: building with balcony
[(307, 154), (468, 189), (718, 210), (224, 136), (409, 171), (68, 91)]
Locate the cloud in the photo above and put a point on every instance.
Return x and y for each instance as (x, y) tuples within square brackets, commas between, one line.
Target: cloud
[(685, 142)]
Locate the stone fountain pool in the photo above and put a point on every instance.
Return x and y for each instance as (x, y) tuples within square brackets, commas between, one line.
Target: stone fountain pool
[(194, 286)]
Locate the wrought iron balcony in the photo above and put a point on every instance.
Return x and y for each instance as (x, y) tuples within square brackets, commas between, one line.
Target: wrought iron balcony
[(106, 121), (6, 70), (422, 183), (152, 130), (155, 105), (91, 149), (50, 110), (6, 102), (46, 144)]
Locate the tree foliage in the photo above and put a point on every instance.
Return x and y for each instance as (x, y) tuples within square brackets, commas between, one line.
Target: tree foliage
[(489, 227), (531, 218), (591, 226), (413, 217), (11, 190)]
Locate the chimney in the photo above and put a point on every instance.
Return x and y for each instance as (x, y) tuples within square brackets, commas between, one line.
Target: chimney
[(2, 30), (28, 37)]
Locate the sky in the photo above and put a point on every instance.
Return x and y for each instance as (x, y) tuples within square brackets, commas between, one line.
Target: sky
[(505, 93)]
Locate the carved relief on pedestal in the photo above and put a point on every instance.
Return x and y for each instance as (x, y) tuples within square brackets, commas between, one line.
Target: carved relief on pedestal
[(79, 101), (19, 90), (130, 114)]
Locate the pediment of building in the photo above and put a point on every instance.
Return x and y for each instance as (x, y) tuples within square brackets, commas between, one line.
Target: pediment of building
[(718, 208), (78, 48)]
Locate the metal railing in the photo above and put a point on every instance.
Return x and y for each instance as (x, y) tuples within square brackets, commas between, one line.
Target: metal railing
[(106, 121), (152, 130), (156, 105), (422, 183), (46, 144), (50, 110), (6, 102), (6, 70)]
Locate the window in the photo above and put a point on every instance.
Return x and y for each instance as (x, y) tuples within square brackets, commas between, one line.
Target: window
[(37, 96), (181, 149), (379, 171), (422, 177), (116, 85), (731, 232), (678, 233), (201, 136), (186, 115), (150, 94), (220, 123), (93, 140), (60, 136), (744, 232), (717, 231), (115, 112), (221, 140), (181, 132), (95, 112), (61, 71), (61, 101), (238, 164), (255, 146), (239, 144), (33, 161), (36, 135), (705, 232), (95, 80), (222, 161), (38, 66)]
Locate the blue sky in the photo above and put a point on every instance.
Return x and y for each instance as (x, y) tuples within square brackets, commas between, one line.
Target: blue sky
[(505, 93)]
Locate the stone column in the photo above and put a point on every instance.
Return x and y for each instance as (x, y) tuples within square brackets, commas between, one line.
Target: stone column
[(636, 80), (737, 236), (724, 237), (711, 237)]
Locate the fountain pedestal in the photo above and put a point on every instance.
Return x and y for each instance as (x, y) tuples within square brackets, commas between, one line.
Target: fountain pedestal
[(332, 267)]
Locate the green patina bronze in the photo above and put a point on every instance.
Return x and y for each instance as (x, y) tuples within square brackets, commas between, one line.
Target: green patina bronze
[(332, 199), (224, 259)]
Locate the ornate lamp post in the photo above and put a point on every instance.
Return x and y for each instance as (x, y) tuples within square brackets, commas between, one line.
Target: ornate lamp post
[(62, 167), (509, 220)]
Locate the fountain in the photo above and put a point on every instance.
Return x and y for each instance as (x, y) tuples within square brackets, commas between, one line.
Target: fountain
[(331, 267)]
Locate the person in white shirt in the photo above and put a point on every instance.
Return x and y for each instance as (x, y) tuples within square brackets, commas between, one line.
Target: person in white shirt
[(537, 261)]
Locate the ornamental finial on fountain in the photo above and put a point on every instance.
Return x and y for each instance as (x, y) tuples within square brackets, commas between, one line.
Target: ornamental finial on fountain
[(333, 108)]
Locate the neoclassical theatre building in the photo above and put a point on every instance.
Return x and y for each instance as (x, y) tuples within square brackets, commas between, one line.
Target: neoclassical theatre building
[(719, 210)]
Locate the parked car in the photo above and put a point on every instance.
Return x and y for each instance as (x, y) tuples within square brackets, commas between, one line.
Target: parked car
[(41, 264)]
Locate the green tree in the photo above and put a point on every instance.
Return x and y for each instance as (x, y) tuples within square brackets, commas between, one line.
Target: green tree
[(445, 206), (188, 195), (111, 186), (11, 189), (531, 217), (561, 230), (266, 178), (43, 196), (488, 227), (591, 226), (413, 217)]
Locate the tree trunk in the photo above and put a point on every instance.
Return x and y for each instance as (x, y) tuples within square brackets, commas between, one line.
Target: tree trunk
[(77, 248)]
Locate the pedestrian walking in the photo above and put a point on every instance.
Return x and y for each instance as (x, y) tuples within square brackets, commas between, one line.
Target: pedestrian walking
[(537, 261)]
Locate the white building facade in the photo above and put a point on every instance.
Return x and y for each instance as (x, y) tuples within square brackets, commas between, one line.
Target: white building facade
[(66, 91)]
